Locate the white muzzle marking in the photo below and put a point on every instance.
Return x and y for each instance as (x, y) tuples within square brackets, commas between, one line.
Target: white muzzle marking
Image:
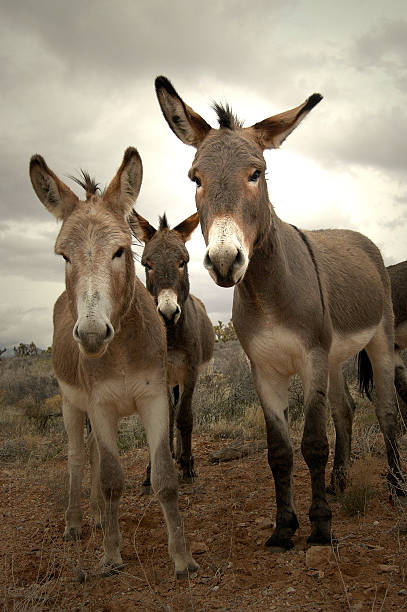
[(226, 254), (167, 305)]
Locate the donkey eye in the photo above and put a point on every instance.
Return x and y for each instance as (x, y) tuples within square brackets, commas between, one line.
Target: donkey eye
[(197, 181), (147, 267), (181, 265), (118, 253), (66, 258), (253, 177)]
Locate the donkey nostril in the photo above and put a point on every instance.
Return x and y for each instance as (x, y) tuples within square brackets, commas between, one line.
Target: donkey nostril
[(239, 259), (177, 310), (76, 332), (109, 332), (207, 261)]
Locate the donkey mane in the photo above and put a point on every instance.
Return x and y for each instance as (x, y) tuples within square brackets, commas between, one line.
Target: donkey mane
[(88, 183), (226, 117), (163, 222)]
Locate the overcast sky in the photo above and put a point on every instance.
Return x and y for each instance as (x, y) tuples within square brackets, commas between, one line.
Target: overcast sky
[(77, 86)]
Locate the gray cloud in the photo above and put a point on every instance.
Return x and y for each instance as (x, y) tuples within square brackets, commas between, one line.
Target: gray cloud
[(77, 87)]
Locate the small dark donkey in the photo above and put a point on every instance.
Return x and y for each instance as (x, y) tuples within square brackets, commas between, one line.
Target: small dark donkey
[(304, 301), (190, 335)]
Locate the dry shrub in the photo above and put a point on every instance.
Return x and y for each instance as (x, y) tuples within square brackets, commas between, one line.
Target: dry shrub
[(249, 426), (362, 485)]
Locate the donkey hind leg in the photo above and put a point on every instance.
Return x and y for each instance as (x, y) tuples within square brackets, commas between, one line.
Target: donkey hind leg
[(153, 411), (343, 410), (400, 382), (382, 360), (185, 422), (104, 425), (73, 421), (272, 389), (97, 502), (314, 445)]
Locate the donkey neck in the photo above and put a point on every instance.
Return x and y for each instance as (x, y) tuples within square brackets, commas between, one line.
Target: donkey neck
[(279, 272)]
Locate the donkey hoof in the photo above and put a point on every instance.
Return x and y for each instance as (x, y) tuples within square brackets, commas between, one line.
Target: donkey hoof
[(72, 533), (110, 566), (191, 568), (278, 545), (321, 539), (146, 489), (401, 500)]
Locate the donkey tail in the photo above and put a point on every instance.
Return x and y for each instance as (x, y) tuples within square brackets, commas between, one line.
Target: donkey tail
[(365, 374)]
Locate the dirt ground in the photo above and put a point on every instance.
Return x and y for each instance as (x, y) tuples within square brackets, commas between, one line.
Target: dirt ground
[(227, 512)]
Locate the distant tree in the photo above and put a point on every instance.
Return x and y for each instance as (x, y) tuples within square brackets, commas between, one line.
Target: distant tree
[(224, 333), (26, 350)]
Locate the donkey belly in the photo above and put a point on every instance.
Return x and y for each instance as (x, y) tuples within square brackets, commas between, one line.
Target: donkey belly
[(346, 345), (177, 364), (276, 348)]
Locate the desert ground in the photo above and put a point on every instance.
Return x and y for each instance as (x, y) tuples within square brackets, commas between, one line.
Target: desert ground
[(228, 513)]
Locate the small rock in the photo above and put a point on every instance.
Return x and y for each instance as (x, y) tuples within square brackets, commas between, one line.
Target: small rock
[(318, 575), (263, 523), (387, 569), (290, 590), (216, 588), (376, 523), (317, 556), (402, 592), (403, 442), (198, 548)]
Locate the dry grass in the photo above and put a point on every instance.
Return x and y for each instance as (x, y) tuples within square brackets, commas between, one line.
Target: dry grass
[(361, 487)]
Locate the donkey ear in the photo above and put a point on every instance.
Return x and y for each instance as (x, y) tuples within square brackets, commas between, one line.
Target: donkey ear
[(140, 227), (190, 127), (272, 132), (52, 192), (187, 226), (123, 190)]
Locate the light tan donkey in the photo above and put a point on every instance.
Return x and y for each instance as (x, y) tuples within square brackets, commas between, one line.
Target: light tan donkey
[(304, 301), (109, 351)]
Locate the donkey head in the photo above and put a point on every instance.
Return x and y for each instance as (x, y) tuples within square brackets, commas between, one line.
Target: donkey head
[(95, 241), (165, 260), (229, 172)]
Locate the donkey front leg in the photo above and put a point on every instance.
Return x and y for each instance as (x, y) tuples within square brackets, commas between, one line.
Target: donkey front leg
[(185, 422), (73, 421), (272, 389), (343, 409), (314, 445), (154, 413), (104, 421), (97, 502)]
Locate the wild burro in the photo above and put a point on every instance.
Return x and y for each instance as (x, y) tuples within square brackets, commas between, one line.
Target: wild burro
[(304, 301), (190, 335), (398, 281), (109, 351)]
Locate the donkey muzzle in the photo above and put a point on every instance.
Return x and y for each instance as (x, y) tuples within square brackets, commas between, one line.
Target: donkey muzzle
[(93, 336), (226, 265), (167, 306)]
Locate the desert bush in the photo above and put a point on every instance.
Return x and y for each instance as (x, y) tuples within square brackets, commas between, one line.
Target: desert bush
[(131, 434), (361, 488)]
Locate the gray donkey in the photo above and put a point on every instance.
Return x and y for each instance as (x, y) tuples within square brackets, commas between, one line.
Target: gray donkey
[(304, 301), (109, 353), (343, 427), (190, 334)]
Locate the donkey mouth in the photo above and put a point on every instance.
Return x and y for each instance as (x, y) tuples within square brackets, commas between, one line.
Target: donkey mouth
[(92, 354)]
